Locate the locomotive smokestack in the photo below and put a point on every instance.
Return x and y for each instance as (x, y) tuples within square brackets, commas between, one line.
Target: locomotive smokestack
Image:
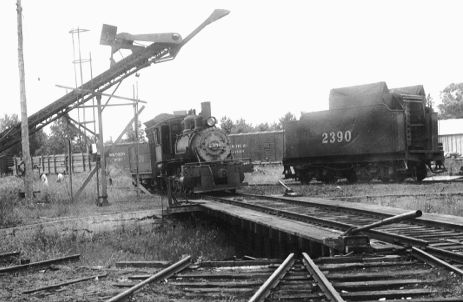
[(206, 110)]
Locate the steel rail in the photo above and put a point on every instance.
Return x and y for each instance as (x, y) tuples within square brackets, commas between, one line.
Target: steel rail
[(10, 254), (419, 221), (163, 274), (273, 280), (426, 257), (330, 292), (381, 235), (58, 285), (39, 263), (445, 254), (384, 235)]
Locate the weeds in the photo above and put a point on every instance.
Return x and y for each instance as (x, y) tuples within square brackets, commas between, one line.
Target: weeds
[(432, 198), (168, 241), (15, 211)]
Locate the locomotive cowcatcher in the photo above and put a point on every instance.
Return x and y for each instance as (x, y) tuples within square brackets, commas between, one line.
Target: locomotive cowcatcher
[(190, 155), (369, 132)]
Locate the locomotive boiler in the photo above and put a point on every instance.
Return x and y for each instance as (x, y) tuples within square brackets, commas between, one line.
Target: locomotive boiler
[(369, 132), (193, 155)]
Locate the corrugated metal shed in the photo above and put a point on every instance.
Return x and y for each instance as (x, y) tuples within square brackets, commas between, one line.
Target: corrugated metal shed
[(451, 135)]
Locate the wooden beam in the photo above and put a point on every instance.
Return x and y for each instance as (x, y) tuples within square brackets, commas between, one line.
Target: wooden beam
[(100, 94), (144, 190), (86, 181), (103, 199)]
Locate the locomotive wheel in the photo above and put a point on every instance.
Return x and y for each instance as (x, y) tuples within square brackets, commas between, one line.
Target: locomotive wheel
[(421, 171)]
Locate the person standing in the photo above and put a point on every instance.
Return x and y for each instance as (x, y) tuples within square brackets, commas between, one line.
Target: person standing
[(44, 191)]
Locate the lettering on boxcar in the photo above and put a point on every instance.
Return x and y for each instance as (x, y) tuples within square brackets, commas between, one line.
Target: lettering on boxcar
[(238, 148)]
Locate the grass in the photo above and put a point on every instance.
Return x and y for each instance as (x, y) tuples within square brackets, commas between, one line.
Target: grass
[(431, 197), (265, 174), (16, 211), (171, 241), (167, 241)]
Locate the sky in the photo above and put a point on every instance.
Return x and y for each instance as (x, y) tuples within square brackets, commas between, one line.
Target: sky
[(264, 59)]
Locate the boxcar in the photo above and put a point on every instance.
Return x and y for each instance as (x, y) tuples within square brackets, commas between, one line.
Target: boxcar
[(144, 162), (258, 147)]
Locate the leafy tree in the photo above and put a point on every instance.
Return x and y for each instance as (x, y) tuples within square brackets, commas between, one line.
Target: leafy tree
[(452, 101), (242, 127), (36, 140), (61, 132), (226, 124), (39, 143), (131, 137), (262, 127), (8, 121), (288, 117)]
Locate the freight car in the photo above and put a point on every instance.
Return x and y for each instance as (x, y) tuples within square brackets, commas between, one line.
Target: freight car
[(189, 154), (144, 163), (258, 147), (369, 132), (6, 164)]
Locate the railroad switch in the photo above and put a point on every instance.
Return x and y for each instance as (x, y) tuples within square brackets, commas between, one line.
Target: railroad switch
[(348, 244), (350, 241), (288, 191)]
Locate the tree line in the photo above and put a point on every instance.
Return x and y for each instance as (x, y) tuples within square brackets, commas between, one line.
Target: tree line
[(241, 126)]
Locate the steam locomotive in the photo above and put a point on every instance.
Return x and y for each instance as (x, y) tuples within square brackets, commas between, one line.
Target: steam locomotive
[(190, 154), (369, 132)]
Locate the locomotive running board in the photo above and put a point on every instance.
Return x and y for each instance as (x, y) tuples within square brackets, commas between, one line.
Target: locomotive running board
[(215, 188), (185, 208)]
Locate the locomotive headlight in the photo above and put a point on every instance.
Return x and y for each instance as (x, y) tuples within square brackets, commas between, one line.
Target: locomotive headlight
[(211, 121)]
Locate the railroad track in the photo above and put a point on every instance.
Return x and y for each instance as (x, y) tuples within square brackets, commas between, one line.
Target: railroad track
[(299, 278), (408, 274), (440, 238), (405, 275)]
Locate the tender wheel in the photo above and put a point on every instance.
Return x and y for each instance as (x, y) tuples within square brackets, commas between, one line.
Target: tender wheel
[(329, 178), (400, 178), (351, 176), (305, 180)]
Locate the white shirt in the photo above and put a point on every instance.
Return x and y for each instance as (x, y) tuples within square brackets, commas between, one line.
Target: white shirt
[(60, 177), (44, 179)]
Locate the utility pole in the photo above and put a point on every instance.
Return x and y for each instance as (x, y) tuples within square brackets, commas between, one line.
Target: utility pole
[(28, 181), (137, 144)]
